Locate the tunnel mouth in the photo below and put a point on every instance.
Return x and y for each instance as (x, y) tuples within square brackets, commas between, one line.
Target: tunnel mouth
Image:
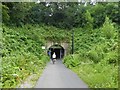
[(58, 49)]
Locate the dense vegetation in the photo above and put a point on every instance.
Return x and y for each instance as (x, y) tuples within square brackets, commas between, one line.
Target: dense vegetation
[(61, 15), (96, 58), (27, 26), (22, 54)]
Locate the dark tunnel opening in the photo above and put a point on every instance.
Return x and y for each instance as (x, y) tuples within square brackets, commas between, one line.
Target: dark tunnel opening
[(59, 51)]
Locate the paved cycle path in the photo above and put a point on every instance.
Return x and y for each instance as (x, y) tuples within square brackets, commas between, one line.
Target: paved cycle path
[(58, 76)]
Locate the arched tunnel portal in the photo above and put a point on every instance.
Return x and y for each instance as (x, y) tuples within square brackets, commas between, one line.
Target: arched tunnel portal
[(58, 50), (61, 49)]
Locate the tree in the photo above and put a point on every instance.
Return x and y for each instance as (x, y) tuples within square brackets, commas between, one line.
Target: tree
[(5, 16), (17, 11), (98, 14), (112, 11), (89, 21)]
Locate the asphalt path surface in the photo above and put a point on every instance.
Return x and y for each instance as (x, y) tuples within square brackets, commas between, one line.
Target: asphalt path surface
[(58, 76)]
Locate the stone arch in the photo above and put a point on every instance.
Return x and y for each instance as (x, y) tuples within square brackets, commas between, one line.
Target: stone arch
[(58, 50), (65, 45)]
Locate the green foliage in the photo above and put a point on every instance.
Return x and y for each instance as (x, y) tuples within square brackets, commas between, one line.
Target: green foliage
[(72, 61), (108, 29), (111, 57), (98, 14), (62, 15), (18, 12), (112, 11), (95, 46), (95, 75), (15, 69), (22, 54), (98, 76), (55, 34), (93, 55), (67, 61), (5, 15), (96, 54), (89, 21)]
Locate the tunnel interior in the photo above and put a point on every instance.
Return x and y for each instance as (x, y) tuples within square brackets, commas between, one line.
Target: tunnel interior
[(59, 51)]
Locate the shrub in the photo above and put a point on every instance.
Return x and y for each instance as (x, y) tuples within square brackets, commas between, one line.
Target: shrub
[(108, 29), (111, 57), (93, 55), (67, 61)]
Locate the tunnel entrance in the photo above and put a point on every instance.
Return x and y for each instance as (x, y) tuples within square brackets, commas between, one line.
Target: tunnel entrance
[(58, 49)]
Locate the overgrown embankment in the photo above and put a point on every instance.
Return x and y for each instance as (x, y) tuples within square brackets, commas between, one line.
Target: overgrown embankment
[(22, 54), (96, 56)]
